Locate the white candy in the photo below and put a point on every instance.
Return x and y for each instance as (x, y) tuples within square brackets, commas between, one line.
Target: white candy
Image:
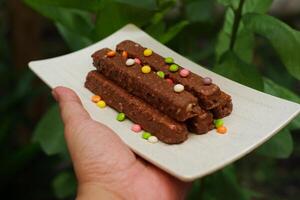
[(130, 62), (152, 139), (178, 88)]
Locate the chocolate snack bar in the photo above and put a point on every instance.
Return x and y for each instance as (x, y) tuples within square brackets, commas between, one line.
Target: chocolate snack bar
[(149, 87), (152, 120), (225, 107), (202, 123), (208, 95)]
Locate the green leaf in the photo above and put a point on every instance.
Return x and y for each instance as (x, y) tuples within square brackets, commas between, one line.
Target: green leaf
[(257, 6), (64, 185), (233, 3), (232, 67), (115, 15), (49, 133), (283, 38), (274, 89), (156, 30), (199, 11), (90, 5), (146, 4), (279, 146), (244, 41), (74, 40), (224, 185), (73, 20), (173, 31)]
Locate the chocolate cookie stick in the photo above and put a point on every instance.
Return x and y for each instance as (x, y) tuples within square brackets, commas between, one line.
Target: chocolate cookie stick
[(159, 124), (225, 107), (202, 123), (147, 86), (208, 95)]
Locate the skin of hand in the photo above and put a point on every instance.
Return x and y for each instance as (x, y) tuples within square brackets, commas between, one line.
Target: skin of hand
[(105, 167)]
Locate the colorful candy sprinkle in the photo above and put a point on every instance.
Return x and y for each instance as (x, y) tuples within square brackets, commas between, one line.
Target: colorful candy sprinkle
[(121, 117), (218, 123), (169, 81), (169, 60), (130, 62), (96, 98), (207, 81), (146, 69), (184, 72), (136, 128), (101, 104), (152, 139), (111, 53), (173, 68), (124, 54), (137, 61), (178, 88), (222, 130), (161, 74), (146, 135), (147, 52)]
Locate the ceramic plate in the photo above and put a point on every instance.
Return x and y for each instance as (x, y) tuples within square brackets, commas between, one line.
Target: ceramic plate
[(255, 118)]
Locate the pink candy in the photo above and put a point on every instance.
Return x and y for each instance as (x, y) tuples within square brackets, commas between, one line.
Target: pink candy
[(184, 72), (136, 128), (169, 81), (137, 61)]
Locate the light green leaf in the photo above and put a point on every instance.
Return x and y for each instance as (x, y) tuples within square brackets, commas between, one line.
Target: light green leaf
[(284, 39), (274, 89), (279, 146), (49, 133), (173, 31), (199, 11), (64, 185), (146, 4), (232, 67), (90, 5)]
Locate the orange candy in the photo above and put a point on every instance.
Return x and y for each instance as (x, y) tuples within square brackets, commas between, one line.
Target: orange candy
[(222, 130), (124, 54), (96, 98), (111, 53)]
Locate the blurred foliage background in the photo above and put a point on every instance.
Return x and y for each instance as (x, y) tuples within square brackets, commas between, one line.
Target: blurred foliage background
[(254, 42)]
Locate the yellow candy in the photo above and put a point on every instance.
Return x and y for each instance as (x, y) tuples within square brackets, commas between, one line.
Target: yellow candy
[(101, 104), (146, 69), (147, 52)]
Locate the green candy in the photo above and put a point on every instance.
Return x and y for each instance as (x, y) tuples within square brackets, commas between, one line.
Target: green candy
[(218, 123), (121, 117), (146, 135), (169, 60), (160, 74), (173, 68)]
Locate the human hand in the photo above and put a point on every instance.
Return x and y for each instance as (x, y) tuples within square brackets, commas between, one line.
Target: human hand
[(105, 167)]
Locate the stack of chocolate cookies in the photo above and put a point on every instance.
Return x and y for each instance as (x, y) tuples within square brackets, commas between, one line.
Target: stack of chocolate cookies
[(164, 98)]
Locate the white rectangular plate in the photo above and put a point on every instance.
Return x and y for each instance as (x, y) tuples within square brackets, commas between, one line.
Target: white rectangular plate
[(255, 118)]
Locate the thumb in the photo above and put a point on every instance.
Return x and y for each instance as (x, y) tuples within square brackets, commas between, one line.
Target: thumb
[(70, 105)]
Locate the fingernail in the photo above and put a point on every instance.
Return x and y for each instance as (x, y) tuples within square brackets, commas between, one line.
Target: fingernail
[(54, 94)]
